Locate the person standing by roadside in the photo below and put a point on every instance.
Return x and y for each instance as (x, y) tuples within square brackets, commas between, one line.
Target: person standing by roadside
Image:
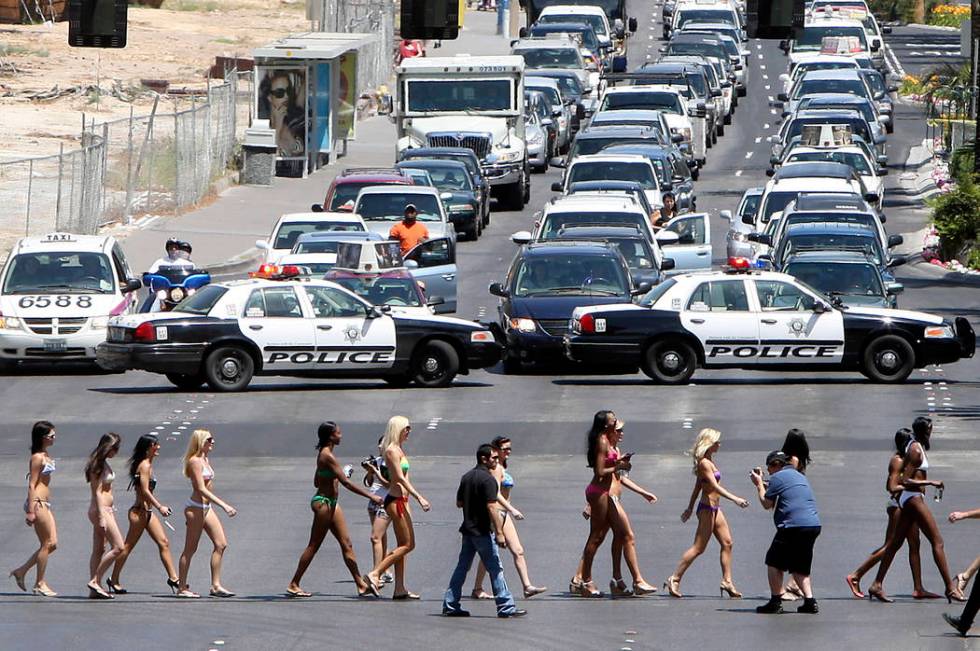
[(200, 517), (893, 487), (376, 481), (711, 520), (789, 495), (328, 515), (798, 450), (409, 232), (911, 500), (102, 513), (141, 517), (964, 622), (503, 447), (477, 497), (37, 509), (397, 507)]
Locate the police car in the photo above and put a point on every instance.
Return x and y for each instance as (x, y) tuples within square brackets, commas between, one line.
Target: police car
[(57, 296), (760, 321), (277, 324)]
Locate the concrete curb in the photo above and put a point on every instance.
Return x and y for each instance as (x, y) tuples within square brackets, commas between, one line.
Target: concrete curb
[(942, 28)]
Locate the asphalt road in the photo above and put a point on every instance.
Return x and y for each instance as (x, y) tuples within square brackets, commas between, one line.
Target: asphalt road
[(264, 463)]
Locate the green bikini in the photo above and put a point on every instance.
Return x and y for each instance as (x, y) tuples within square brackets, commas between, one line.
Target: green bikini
[(326, 473)]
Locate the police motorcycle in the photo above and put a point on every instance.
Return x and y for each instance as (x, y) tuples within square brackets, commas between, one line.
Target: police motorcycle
[(172, 278)]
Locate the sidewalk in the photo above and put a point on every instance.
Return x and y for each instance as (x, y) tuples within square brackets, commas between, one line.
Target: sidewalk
[(227, 228)]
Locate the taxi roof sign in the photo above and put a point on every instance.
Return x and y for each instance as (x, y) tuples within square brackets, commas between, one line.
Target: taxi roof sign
[(840, 45), (826, 135), (369, 256)]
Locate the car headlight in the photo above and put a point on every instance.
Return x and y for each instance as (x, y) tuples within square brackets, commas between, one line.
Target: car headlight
[(535, 138), (522, 325), (939, 332), (10, 323), (177, 294), (462, 207), (508, 156), (100, 322)]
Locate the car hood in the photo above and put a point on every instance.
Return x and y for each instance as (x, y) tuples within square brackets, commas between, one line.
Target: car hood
[(458, 198), (858, 301), (676, 121), (556, 307), (906, 315), (26, 305), (134, 320)]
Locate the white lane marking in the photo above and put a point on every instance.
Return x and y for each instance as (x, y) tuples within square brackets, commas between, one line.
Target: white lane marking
[(768, 87), (771, 98), (765, 76), (760, 56), (738, 172), (762, 66), (758, 140), (765, 126), (894, 63), (773, 111), (748, 154)]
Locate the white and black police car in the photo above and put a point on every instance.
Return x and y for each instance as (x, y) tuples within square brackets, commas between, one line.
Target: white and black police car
[(759, 321), (276, 323)]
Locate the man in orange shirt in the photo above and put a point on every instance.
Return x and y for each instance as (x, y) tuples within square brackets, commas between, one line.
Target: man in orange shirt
[(409, 231)]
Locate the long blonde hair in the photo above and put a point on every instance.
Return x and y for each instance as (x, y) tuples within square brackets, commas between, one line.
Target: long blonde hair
[(706, 438), (392, 435), (194, 445)]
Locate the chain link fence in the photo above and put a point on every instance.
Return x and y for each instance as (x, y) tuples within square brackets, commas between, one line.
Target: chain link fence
[(157, 163)]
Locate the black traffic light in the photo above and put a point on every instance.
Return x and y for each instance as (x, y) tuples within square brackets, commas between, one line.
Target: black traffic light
[(430, 19), (774, 19), (97, 23)]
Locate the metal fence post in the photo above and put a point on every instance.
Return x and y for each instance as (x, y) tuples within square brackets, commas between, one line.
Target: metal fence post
[(30, 184), (61, 169), (129, 171), (176, 159), (197, 165), (101, 176)]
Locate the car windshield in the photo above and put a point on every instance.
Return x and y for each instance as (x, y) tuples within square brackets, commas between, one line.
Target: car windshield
[(814, 103), (651, 298), (449, 179), (697, 48), (813, 36), (319, 246), (397, 292), (391, 207), (804, 68), (636, 251), (875, 81), (852, 158), (594, 20), (54, 272), (551, 57), (570, 275), (863, 219), (550, 92), (706, 16), (613, 171), (851, 279), (648, 100), (470, 164), (583, 146), (459, 95), (289, 232), (588, 36), (776, 202), (751, 205), (202, 300), (346, 194), (831, 242), (556, 221), (823, 86)]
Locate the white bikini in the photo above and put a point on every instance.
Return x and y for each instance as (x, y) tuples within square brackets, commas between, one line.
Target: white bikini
[(909, 494), (207, 474)]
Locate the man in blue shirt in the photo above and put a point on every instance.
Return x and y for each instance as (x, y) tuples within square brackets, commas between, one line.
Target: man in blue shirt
[(797, 527)]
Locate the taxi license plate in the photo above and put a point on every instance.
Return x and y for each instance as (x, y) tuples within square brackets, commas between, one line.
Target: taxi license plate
[(55, 346)]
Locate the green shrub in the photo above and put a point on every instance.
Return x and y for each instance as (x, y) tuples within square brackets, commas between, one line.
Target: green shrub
[(961, 163), (973, 261), (957, 218)]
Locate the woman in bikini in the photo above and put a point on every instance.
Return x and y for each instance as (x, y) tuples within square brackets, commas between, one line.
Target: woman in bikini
[(603, 494), (376, 481), (37, 509), (141, 516), (711, 519), (397, 507), (893, 487), (505, 480), (912, 503), (102, 513), (200, 517), (328, 515)]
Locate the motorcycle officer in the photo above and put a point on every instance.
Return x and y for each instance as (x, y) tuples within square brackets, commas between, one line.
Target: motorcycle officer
[(178, 255)]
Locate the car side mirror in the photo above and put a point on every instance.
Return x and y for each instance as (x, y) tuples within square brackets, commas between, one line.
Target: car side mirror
[(641, 289), (895, 240), (317, 207), (498, 290), (760, 238), (784, 46), (882, 159), (784, 77), (633, 25), (262, 244), (882, 217), (435, 300), (871, 197), (716, 92), (662, 49), (785, 114), (775, 140), (726, 215), (619, 64), (521, 237), (819, 307), (770, 171), (897, 261), (378, 311), (386, 107), (892, 89), (666, 187), (748, 218), (667, 238), (132, 284), (676, 138), (783, 97), (886, 29), (875, 46), (522, 32), (558, 162), (882, 171), (579, 112), (894, 288), (411, 264), (667, 264), (557, 187)]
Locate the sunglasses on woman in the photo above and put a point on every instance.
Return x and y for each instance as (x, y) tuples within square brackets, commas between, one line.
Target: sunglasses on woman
[(279, 93)]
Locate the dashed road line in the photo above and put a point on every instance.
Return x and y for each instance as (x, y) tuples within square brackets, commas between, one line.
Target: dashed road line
[(748, 154), (738, 172), (758, 140)]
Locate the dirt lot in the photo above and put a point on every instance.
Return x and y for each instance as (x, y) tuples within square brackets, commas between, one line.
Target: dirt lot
[(177, 42)]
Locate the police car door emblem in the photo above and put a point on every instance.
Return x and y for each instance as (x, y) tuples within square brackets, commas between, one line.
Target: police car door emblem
[(797, 327), (352, 334)]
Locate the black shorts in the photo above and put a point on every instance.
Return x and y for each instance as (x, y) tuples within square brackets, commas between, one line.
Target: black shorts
[(792, 549)]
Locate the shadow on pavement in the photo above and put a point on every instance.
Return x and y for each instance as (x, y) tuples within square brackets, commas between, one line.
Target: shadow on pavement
[(274, 388)]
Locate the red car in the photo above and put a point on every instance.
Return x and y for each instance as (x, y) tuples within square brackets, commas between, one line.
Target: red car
[(343, 190)]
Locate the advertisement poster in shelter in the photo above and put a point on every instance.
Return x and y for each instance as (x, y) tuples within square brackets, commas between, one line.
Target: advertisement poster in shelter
[(346, 96), (282, 94)]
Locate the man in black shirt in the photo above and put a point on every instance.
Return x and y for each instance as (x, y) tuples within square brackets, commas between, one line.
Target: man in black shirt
[(477, 496)]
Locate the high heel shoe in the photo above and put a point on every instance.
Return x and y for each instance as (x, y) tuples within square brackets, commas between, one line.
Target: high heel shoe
[(617, 588), (532, 590), (96, 592), (879, 595), (19, 580), (641, 589), (672, 585), (730, 589), (43, 591), (174, 586), (574, 585), (588, 589), (854, 583), (115, 588), (961, 581), (954, 595)]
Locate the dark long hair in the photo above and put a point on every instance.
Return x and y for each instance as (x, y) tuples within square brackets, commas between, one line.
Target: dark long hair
[(902, 439), (140, 452), (496, 443), (41, 429), (922, 431), (795, 445), (599, 423), (96, 461), (324, 433)]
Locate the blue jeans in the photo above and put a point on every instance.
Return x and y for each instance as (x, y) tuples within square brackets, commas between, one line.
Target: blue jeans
[(486, 547)]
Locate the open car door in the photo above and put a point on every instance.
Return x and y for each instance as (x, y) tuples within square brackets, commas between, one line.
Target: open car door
[(692, 251), (435, 267)]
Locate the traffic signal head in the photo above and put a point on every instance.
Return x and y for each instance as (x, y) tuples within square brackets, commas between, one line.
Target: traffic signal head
[(97, 23), (430, 19)]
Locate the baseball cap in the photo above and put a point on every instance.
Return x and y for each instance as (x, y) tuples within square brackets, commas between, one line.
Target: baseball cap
[(777, 456), (411, 206)]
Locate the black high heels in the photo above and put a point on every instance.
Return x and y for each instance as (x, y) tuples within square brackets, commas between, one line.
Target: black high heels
[(114, 587), (174, 586)]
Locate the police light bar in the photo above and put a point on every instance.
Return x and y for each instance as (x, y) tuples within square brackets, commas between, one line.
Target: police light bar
[(737, 265), (276, 272)]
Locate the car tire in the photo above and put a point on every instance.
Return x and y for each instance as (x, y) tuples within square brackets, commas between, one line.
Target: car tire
[(512, 365), (888, 358), (472, 232), (526, 198), (727, 120), (435, 364), (185, 381), (890, 128), (229, 368), (397, 381), (7, 366), (720, 131), (695, 173), (669, 361)]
